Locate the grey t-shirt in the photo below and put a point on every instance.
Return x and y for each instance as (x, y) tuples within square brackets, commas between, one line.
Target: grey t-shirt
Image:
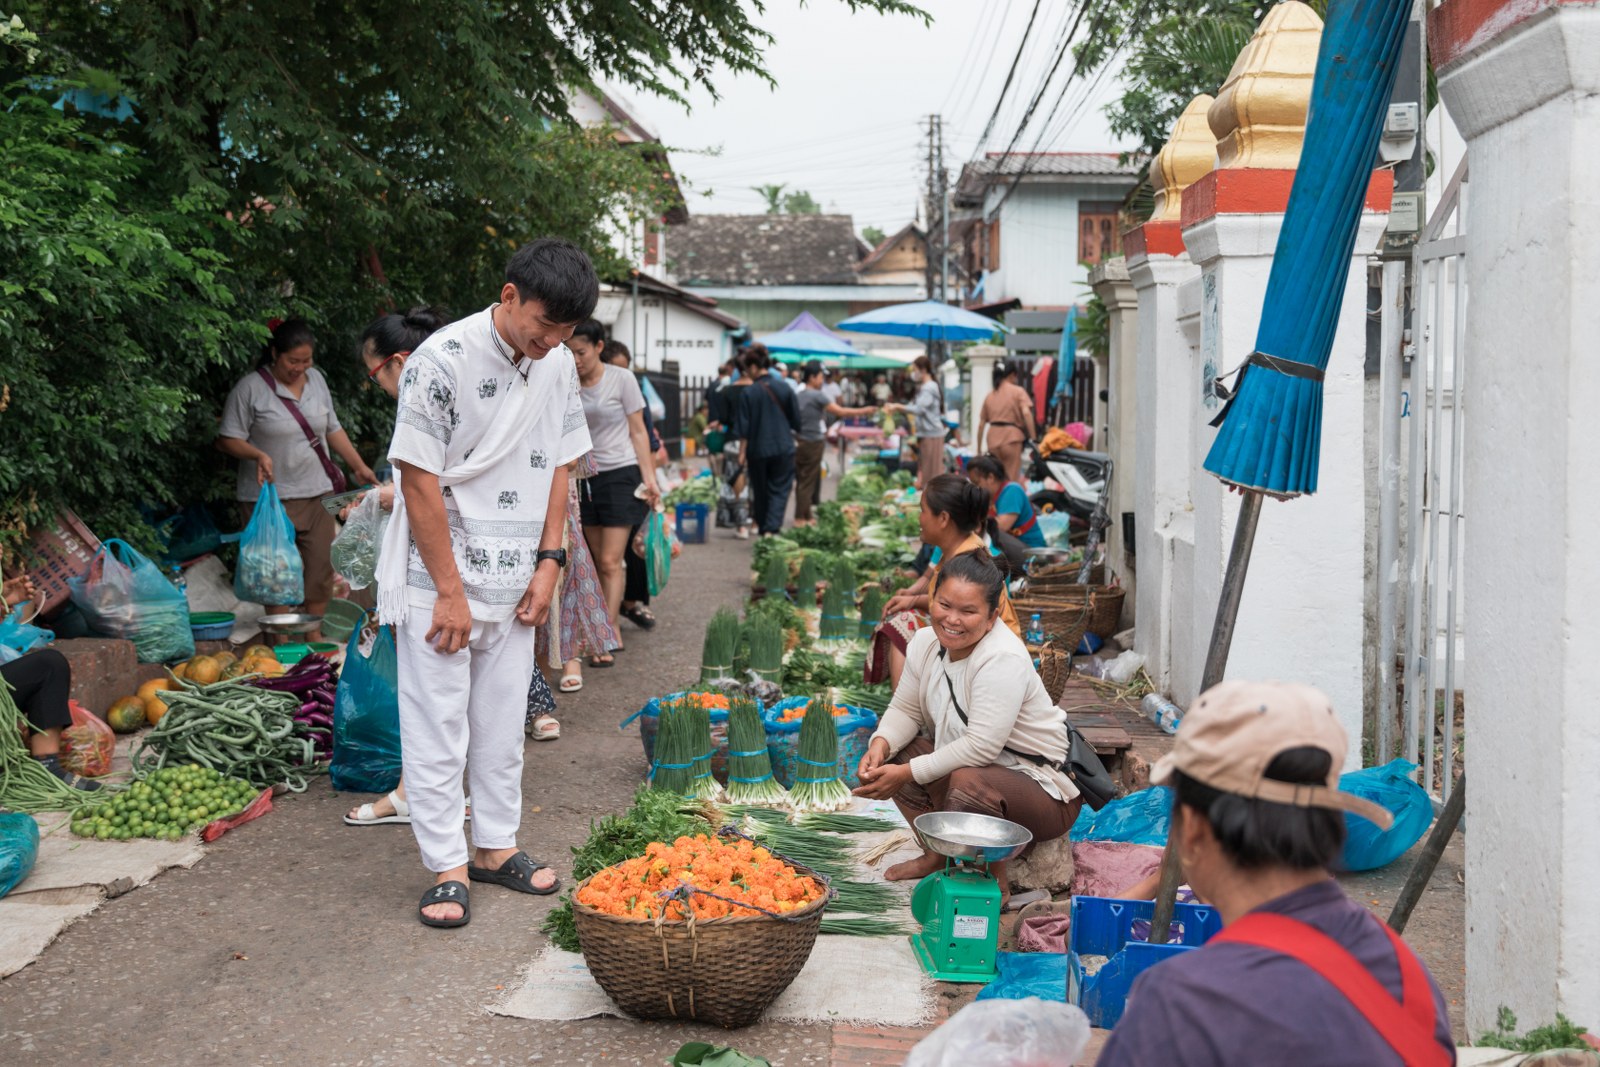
[(607, 405), (928, 411), (254, 413), (813, 405)]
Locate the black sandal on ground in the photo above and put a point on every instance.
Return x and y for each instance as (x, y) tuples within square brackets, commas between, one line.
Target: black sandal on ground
[(640, 616), (516, 873), (596, 662), (52, 763), (446, 893)]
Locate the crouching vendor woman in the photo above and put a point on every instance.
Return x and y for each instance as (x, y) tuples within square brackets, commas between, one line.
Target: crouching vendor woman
[(970, 727)]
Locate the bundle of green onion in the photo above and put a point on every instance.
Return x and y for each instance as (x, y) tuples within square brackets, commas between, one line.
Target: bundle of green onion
[(775, 579), (750, 779), (816, 785), (766, 639), (722, 638), (702, 748), (672, 770), (806, 579), (843, 578), (836, 624), (872, 601)]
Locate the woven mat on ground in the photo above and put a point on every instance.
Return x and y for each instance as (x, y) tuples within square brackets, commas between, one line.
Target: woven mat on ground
[(557, 986)]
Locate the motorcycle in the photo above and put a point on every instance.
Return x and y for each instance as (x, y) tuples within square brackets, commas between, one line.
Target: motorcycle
[(1075, 481)]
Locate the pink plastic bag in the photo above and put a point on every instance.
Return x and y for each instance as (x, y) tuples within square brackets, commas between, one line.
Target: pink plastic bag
[(88, 744)]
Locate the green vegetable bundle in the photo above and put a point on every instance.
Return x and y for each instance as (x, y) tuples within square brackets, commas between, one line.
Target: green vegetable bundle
[(843, 577), (817, 787), (704, 786), (836, 624), (239, 730), (716, 655), (775, 578), (25, 785), (672, 770), (693, 491), (766, 638), (806, 579), (654, 816), (873, 599), (750, 779), (874, 698)]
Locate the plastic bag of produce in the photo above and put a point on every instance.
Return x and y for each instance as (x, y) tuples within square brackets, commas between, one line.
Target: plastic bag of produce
[(1366, 846), (19, 848), (855, 728), (124, 595), (366, 715), (18, 638), (657, 553), (88, 744), (355, 550), (269, 569), (1006, 1033)]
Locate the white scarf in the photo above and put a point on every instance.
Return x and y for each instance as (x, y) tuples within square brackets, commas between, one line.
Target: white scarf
[(516, 416)]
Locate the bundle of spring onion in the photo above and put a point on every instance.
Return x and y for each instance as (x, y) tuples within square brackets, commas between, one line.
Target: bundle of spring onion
[(873, 598), (775, 579), (716, 655), (750, 779), (25, 785), (817, 787), (823, 852), (766, 640), (806, 579), (843, 578), (874, 698), (703, 748), (836, 624), (672, 769)]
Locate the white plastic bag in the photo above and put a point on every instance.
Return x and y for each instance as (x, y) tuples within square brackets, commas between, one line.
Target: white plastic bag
[(1007, 1033), (355, 550)]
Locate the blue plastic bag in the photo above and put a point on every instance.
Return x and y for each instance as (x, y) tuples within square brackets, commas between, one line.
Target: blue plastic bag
[(1140, 818), (19, 848), (269, 569), (1028, 974), (366, 717), (124, 595), (1391, 785), (783, 740), (657, 553), (17, 638)]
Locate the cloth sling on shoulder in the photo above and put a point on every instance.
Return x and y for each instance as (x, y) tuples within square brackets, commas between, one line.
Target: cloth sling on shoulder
[(1407, 1024), (335, 475)]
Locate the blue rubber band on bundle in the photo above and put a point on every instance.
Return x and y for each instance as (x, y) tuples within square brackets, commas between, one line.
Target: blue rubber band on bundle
[(830, 778), (749, 781), (837, 618), (700, 776), (815, 763), (756, 752)]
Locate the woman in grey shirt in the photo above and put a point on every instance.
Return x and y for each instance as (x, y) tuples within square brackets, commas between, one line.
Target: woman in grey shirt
[(260, 428), (810, 441), (927, 411)]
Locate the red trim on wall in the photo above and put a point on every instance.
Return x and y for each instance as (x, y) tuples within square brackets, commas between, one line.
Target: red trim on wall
[(1154, 238), (1458, 27), (1262, 192)]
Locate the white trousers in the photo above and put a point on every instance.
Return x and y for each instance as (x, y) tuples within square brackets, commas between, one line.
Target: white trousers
[(459, 711)]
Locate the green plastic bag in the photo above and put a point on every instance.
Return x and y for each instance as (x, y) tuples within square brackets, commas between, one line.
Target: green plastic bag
[(705, 1054), (657, 553)]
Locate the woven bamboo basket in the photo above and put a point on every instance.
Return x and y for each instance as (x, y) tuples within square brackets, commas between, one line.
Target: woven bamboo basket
[(1064, 621), (722, 971), (1059, 574), (1105, 603), (1055, 667)]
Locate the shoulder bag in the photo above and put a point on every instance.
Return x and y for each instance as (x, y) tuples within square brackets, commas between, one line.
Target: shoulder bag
[(335, 475)]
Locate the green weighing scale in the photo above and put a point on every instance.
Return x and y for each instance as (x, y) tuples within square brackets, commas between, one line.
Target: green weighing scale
[(959, 907)]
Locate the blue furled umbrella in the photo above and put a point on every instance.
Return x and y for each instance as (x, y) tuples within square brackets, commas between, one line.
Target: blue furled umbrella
[(925, 320), (1271, 431), (1067, 355)]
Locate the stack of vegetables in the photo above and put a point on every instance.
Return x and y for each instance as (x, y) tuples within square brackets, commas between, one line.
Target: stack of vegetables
[(818, 787), (682, 764), (707, 877), (698, 490), (750, 779), (873, 598), (813, 840), (843, 577), (775, 577), (836, 623), (799, 711), (312, 681), (25, 785), (722, 637), (165, 805), (805, 581), (236, 729), (766, 640)]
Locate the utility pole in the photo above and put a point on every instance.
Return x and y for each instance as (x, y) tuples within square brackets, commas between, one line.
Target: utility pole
[(938, 229)]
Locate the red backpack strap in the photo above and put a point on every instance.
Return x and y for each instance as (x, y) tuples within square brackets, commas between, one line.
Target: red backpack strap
[(1407, 1024)]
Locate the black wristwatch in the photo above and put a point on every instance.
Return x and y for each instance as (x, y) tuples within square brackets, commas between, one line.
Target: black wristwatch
[(557, 554)]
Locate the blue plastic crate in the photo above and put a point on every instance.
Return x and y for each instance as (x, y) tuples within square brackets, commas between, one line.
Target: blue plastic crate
[(690, 520), (1102, 926)]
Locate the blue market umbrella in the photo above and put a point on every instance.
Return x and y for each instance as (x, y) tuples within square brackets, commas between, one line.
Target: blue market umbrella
[(1271, 431), (925, 320), (806, 343)]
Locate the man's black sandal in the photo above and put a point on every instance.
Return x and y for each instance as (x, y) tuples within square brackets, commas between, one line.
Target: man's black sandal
[(446, 893), (516, 873)]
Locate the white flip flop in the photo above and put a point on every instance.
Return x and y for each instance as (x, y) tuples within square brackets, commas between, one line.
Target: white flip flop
[(537, 734), (364, 814), (570, 683)]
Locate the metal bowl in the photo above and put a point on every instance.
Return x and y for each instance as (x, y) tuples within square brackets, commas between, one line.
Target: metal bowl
[(290, 624), (964, 836)]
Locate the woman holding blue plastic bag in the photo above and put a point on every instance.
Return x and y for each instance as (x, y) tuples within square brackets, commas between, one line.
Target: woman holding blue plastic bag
[(279, 422)]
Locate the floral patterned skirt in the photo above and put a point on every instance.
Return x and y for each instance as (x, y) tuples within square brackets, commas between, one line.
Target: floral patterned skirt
[(583, 628)]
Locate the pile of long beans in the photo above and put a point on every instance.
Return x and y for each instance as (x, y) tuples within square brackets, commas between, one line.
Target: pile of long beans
[(25, 785), (312, 682), (237, 729)]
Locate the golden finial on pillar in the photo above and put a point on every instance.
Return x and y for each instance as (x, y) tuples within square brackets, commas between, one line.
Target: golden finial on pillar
[(1188, 156), (1259, 117)]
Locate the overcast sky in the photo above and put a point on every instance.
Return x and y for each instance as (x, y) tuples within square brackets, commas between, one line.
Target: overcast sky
[(847, 120)]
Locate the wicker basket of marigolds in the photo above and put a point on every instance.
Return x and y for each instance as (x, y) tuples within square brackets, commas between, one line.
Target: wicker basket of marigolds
[(705, 928)]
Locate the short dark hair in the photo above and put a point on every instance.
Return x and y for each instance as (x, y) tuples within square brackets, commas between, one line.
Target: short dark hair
[(616, 350), (978, 568), (395, 332), (987, 466), (755, 358), (290, 333), (1002, 371), (558, 275), (965, 503), (590, 330), (811, 368), (1259, 833)]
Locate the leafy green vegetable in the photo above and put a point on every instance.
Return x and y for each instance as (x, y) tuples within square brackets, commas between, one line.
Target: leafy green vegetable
[(1561, 1034), (693, 491)]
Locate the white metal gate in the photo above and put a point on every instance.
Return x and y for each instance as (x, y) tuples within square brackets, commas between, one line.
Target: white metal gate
[(1420, 590)]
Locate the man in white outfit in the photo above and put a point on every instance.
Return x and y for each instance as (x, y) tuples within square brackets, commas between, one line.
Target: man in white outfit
[(489, 417)]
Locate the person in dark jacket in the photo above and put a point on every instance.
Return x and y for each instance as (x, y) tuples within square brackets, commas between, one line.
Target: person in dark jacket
[(766, 420)]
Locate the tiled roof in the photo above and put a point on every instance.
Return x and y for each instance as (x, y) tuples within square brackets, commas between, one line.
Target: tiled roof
[(889, 242), (765, 250), (1044, 166)]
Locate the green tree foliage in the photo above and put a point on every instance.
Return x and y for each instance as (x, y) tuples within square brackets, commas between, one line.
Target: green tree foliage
[(873, 236), (773, 195), (328, 159), (800, 202)]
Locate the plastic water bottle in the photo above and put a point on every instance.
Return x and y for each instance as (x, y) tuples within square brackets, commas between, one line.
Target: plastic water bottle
[(1163, 712), (1035, 632)]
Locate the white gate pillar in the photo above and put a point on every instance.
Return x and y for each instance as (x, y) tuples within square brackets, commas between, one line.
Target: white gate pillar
[(1111, 284), (1522, 81)]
